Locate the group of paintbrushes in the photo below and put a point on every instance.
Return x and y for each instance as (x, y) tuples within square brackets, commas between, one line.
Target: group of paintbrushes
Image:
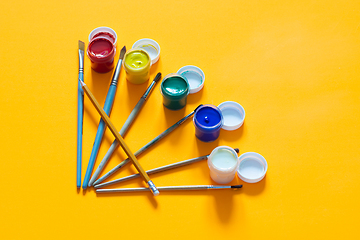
[(119, 141)]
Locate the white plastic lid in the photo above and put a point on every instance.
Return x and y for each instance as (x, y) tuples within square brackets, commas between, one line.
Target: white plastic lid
[(233, 115), (103, 29), (151, 47), (252, 167), (195, 77)]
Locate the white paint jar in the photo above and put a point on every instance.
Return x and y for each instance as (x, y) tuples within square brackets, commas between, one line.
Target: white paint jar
[(223, 162)]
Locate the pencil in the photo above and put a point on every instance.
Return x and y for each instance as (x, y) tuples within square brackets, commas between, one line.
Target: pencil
[(147, 146), (118, 137), (171, 188), (109, 101), (124, 129), (157, 170)]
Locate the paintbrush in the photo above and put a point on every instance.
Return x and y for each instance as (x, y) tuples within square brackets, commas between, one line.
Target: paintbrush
[(101, 128), (171, 188), (80, 115), (147, 146), (124, 128), (159, 169), (119, 139)]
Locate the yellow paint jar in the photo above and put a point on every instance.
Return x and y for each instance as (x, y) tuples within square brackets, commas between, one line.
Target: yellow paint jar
[(137, 63)]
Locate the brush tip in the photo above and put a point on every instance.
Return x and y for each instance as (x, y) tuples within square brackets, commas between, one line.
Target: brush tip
[(197, 107), (236, 186), (157, 77), (122, 52), (237, 150), (81, 45)]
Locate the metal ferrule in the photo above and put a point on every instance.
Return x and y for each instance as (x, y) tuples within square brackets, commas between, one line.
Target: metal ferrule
[(148, 90), (115, 78), (153, 189), (218, 187), (81, 61), (181, 121)]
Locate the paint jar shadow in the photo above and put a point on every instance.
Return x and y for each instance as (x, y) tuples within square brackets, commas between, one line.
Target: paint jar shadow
[(206, 147), (233, 135), (100, 84), (154, 68), (224, 202), (253, 189), (195, 97), (135, 91), (173, 116)]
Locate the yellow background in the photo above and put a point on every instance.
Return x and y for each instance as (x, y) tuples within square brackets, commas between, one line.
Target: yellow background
[(293, 66)]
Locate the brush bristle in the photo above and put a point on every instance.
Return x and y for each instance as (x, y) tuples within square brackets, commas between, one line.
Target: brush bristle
[(197, 107), (122, 52), (157, 77), (81, 45), (237, 150), (236, 186)]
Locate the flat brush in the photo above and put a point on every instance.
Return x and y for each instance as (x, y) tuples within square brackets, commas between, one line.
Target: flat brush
[(157, 170), (109, 101), (119, 139), (80, 115), (147, 146), (171, 188), (124, 128)]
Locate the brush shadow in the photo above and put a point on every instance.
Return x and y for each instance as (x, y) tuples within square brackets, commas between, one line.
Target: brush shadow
[(232, 136), (150, 196), (84, 191)]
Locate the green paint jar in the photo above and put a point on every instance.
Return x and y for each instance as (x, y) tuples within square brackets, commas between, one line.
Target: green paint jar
[(174, 89)]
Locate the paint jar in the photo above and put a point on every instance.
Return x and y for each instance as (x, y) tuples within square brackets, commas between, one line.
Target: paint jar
[(233, 114), (105, 32), (223, 163), (151, 47), (195, 77), (101, 49), (252, 167), (174, 89), (209, 119), (137, 65)]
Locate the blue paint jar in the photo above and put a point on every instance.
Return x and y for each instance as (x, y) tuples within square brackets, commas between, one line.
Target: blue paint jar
[(208, 121)]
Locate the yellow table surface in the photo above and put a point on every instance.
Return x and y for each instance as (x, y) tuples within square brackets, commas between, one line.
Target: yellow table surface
[(293, 66)]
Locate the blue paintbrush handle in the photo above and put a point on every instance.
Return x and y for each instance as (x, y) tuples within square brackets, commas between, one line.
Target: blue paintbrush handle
[(99, 134), (80, 114)]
